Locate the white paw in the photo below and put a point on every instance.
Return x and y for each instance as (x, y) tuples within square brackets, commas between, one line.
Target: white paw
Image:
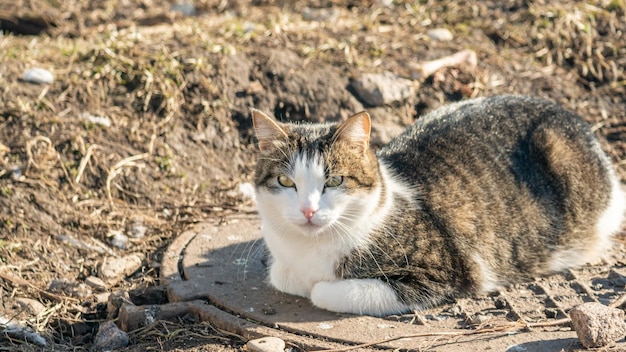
[(365, 296), (283, 279)]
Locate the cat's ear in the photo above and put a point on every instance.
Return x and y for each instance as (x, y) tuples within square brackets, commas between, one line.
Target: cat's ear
[(355, 130), (267, 130)]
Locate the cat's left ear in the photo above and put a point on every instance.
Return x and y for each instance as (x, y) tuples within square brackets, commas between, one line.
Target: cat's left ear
[(267, 130), (356, 130)]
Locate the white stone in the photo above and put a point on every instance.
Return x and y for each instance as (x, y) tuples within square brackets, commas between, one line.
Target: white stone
[(440, 34), (38, 75), (266, 344), (96, 120), (96, 282)]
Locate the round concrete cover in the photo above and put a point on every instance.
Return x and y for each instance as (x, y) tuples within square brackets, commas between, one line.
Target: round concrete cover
[(224, 264)]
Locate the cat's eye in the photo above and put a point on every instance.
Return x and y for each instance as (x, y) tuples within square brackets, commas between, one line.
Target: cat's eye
[(285, 181), (334, 181)]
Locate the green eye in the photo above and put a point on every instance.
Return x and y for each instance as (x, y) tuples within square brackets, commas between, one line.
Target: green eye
[(334, 181), (285, 181)]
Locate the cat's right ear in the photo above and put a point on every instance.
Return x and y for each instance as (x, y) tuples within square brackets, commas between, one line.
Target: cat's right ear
[(356, 130), (267, 130)]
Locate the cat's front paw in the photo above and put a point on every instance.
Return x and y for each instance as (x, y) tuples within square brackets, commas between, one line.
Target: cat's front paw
[(283, 279), (357, 296)]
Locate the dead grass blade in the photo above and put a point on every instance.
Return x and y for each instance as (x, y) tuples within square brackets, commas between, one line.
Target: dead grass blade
[(117, 169)]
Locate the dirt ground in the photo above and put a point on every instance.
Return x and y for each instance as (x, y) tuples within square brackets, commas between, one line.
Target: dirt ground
[(146, 128)]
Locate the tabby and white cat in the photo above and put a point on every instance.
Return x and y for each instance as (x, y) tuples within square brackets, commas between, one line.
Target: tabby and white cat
[(473, 196)]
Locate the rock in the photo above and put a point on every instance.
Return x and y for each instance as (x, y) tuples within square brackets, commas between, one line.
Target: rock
[(38, 75), (103, 121), (440, 34), (185, 8), (597, 325), (10, 328), (110, 337), (96, 282), (61, 286), (137, 229), (32, 306), (319, 14), (118, 239), (376, 89), (266, 344), (114, 269)]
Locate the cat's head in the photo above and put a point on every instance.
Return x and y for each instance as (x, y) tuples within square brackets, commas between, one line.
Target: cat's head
[(313, 179)]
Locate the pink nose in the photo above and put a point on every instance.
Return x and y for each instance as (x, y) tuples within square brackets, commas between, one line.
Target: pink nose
[(308, 213)]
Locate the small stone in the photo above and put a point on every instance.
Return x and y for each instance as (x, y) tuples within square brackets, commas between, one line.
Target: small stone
[(114, 269), (110, 337), (255, 87), (319, 14), (118, 239), (96, 282), (376, 89), (440, 34), (185, 8), (38, 75), (597, 325), (266, 344), (478, 319), (137, 229), (16, 173), (103, 121), (32, 306)]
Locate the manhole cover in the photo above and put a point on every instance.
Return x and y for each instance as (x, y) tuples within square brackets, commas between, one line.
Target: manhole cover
[(223, 263)]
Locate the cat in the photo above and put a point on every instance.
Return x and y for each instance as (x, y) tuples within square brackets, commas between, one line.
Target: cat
[(474, 196)]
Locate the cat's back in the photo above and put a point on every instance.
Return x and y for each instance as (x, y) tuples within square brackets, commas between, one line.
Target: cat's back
[(508, 179), (504, 120)]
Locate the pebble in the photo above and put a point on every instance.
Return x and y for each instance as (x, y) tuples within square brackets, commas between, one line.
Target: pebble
[(32, 306), (137, 229), (185, 8), (38, 75), (118, 239), (10, 328), (96, 282), (114, 269), (110, 337), (377, 89), (103, 121), (61, 286), (597, 325), (319, 14), (440, 34), (266, 344)]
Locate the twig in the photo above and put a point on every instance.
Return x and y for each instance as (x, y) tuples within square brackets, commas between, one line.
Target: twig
[(117, 169), (29, 148), (84, 161), (427, 68)]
